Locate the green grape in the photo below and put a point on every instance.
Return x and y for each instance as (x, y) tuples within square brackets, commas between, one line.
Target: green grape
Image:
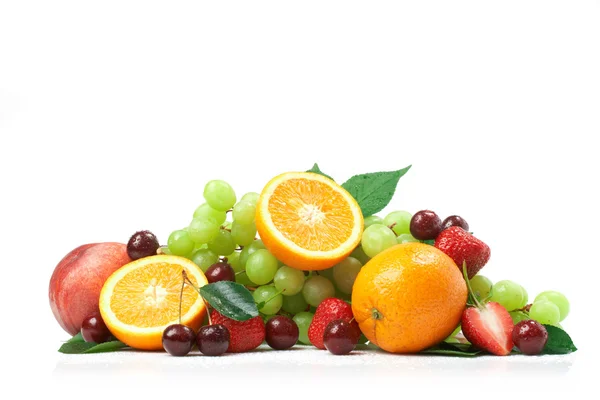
[(294, 304), (399, 220), (242, 279), (481, 286), (360, 255), (164, 250), (290, 280), (344, 274), (342, 296), (518, 316), (244, 212), (558, 299), (508, 294), (376, 239), (251, 248), (204, 258), (372, 220), (316, 289), (406, 238), (545, 312), (204, 211), (219, 195), (251, 197), (327, 273), (222, 244), (303, 320), (261, 267), (525, 297), (243, 234), (180, 243), (273, 299), (234, 260), (203, 230), (200, 246)]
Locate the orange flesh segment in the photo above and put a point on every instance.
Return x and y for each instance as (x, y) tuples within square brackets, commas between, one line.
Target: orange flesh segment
[(311, 214), (149, 296)]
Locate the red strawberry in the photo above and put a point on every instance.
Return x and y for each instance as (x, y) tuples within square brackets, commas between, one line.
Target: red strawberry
[(243, 335), (329, 310), (489, 327), (462, 246)]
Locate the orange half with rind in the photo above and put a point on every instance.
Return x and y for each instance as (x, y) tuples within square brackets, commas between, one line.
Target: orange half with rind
[(308, 221), (139, 300)]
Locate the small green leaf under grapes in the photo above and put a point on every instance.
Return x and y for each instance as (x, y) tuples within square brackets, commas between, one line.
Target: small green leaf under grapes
[(559, 341), (452, 350), (77, 347)]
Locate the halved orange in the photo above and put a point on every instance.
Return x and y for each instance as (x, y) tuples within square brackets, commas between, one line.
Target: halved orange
[(308, 221), (140, 299)]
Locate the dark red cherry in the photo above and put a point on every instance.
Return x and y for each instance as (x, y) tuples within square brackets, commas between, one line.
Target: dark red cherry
[(178, 339), (213, 340), (93, 329), (281, 332)]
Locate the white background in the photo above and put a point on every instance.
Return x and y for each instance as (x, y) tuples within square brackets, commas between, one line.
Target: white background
[(114, 114)]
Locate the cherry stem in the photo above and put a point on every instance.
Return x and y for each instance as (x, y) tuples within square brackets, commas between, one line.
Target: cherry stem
[(187, 279), (184, 276), (468, 282)]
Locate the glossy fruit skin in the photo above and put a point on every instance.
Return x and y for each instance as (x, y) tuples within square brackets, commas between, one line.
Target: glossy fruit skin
[(244, 335), (93, 329), (329, 310), (281, 332), (425, 225), (482, 335), (408, 298), (213, 340), (142, 244), (530, 337), (455, 220), (78, 278), (220, 271), (462, 246), (178, 339), (340, 337)]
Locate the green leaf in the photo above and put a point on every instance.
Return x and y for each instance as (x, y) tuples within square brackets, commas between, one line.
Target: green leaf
[(74, 347), (452, 350), (316, 170), (76, 339), (230, 299), (373, 191), (106, 347), (559, 341)]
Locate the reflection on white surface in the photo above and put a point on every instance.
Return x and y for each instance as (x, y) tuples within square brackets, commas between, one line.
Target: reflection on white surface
[(310, 374), (305, 361)]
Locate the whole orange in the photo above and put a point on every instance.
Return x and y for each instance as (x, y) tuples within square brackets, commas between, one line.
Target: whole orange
[(408, 298)]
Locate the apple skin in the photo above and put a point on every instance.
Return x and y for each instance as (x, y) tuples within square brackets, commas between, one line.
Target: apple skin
[(78, 278)]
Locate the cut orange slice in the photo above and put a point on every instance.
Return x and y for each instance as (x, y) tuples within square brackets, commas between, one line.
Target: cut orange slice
[(308, 221), (140, 299)]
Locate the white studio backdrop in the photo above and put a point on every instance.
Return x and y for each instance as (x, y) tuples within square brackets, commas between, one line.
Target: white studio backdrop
[(113, 115)]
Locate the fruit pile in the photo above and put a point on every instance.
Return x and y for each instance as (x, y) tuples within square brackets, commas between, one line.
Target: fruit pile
[(305, 261)]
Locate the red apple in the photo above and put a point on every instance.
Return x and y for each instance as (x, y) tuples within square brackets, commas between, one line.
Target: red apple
[(78, 278)]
